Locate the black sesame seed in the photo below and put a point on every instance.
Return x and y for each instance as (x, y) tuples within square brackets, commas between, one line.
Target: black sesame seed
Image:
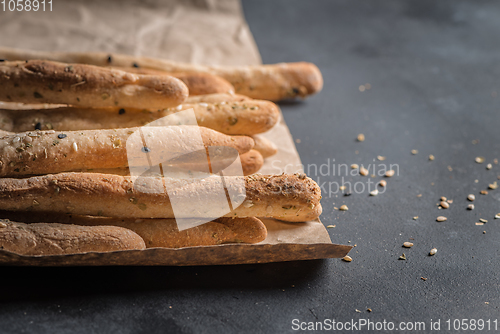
[(146, 149), (38, 126), (110, 59), (347, 194), (135, 65), (61, 136), (37, 95), (2, 60), (295, 90), (121, 111)]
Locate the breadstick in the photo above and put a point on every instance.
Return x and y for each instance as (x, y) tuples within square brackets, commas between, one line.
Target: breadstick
[(293, 197), (56, 239), (251, 162), (264, 146), (164, 232), (198, 83), (41, 152), (39, 81), (247, 118), (267, 82)]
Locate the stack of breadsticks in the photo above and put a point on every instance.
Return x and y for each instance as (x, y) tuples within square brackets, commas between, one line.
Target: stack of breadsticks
[(64, 174)]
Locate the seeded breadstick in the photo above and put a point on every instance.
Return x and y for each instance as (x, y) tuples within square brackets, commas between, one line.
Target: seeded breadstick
[(264, 146), (55, 239), (267, 82), (247, 118), (198, 83), (293, 197), (40, 81), (40, 152)]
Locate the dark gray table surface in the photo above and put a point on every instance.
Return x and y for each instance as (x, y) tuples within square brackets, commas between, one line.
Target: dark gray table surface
[(433, 68)]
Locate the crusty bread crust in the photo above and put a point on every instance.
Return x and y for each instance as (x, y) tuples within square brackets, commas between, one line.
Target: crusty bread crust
[(90, 86), (252, 162), (289, 197), (42, 152), (267, 82), (245, 118), (264, 146), (217, 98), (164, 232), (56, 239), (198, 83)]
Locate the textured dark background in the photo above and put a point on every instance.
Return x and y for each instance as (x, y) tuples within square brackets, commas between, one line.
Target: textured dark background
[(434, 68)]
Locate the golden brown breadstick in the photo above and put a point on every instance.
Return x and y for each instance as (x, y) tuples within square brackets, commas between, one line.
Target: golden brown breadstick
[(90, 86), (292, 197), (198, 83), (41, 152), (251, 162), (264, 146), (247, 118), (162, 232), (55, 239), (267, 82)]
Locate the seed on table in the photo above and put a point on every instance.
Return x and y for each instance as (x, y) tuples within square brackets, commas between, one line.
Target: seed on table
[(450, 169), (450, 201), (408, 244), (489, 166), (402, 257), (374, 192), (470, 207), (380, 158), (497, 216), (330, 226), (484, 192), (480, 223), (347, 258), (471, 197), (414, 152), (433, 251), (363, 171), (415, 218), (382, 183), (389, 173), (493, 186), (444, 205), (361, 137), (443, 198), (441, 219), (344, 208), (354, 166), (480, 160), (483, 220), (431, 157)]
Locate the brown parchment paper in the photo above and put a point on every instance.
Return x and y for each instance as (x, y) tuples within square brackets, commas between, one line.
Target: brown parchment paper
[(210, 32)]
